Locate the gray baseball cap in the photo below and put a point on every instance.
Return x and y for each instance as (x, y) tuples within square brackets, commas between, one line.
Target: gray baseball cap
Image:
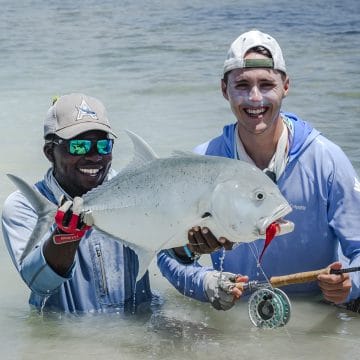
[(245, 42), (73, 114)]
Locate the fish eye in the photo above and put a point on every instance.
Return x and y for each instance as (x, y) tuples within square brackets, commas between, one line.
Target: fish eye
[(259, 195)]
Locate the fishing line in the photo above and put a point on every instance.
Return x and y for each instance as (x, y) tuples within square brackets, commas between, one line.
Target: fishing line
[(268, 307), (254, 249)]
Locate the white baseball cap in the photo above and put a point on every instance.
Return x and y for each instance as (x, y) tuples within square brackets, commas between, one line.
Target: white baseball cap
[(73, 114), (245, 42)]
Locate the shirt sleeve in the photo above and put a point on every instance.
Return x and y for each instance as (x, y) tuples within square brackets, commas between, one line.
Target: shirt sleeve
[(201, 149), (344, 216), (186, 278), (18, 221)]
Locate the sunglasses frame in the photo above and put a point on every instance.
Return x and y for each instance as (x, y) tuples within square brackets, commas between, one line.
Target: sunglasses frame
[(68, 145)]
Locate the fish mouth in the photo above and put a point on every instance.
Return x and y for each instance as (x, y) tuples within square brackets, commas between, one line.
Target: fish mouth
[(283, 226)]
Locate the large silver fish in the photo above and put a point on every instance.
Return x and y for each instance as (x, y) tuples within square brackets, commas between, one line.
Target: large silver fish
[(151, 204)]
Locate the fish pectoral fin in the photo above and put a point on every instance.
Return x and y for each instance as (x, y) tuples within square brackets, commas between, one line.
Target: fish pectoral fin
[(145, 257), (45, 211)]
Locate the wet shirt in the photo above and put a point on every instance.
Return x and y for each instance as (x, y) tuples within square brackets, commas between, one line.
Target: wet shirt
[(102, 277), (323, 190)]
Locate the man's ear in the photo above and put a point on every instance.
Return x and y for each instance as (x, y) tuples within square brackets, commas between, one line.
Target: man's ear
[(48, 150), (286, 86), (224, 89)]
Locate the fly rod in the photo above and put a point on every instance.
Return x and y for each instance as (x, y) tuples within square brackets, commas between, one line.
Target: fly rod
[(297, 278)]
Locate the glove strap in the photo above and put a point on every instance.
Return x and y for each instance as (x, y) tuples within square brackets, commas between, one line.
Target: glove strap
[(192, 256), (188, 252), (70, 233), (61, 238)]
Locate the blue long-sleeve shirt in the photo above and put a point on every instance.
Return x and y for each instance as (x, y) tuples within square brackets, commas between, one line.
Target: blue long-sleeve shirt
[(103, 274), (323, 189)]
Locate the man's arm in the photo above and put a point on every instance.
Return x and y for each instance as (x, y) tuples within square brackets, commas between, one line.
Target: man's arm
[(60, 257), (201, 283), (186, 278), (60, 248), (18, 222), (343, 214)]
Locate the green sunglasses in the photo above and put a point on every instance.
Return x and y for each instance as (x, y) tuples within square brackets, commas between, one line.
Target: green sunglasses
[(83, 147)]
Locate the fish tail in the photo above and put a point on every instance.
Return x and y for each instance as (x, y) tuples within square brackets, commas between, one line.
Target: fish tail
[(45, 211)]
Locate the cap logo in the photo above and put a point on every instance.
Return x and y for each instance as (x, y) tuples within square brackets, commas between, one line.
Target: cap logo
[(258, 63), (85, 110)]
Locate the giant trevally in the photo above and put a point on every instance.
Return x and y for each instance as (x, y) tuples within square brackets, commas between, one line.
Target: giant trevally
[(152, 203)]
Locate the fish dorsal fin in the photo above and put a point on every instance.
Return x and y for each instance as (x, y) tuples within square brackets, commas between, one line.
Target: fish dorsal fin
[(181, 153), (143, 153)]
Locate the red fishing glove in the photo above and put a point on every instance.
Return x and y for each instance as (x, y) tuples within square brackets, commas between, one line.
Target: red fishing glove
[(69, 222)]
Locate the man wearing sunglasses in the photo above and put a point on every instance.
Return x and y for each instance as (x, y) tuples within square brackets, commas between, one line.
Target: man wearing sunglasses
[(76, 268), (96, 273)]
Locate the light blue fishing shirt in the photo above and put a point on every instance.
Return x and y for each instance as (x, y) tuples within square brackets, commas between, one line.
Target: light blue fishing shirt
[(323, 190), (102, 277)]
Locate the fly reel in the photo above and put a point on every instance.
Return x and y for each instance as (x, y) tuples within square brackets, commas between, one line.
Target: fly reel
[(269, 308)]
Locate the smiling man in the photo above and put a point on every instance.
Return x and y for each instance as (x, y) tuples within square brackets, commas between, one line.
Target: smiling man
[(78, 142), (77, 268), (313, 174), (74, 268)]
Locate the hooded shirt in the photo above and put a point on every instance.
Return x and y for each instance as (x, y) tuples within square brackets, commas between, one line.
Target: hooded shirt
[(323, 190)]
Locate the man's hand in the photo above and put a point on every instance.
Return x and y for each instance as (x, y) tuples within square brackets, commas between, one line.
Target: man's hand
[(203, 241), (70, 223), (220, 288), (71, 227), (335, 288)]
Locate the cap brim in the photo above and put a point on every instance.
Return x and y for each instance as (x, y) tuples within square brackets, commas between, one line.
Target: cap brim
[(74, 130)]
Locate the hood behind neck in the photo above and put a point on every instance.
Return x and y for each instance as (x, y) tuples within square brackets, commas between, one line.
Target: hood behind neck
[(303, 135)]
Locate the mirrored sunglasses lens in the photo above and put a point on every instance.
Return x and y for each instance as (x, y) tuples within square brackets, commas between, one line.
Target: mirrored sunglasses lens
[(79, 147), (104, 146)]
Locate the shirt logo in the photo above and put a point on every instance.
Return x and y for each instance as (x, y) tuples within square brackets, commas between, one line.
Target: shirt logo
[(357, 185), (298, 207), (85, 110)]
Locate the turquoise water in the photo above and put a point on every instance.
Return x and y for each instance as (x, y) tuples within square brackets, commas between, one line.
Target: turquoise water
[(157, 65)]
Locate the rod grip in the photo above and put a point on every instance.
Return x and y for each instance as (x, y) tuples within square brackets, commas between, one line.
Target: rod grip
[(298, 278)]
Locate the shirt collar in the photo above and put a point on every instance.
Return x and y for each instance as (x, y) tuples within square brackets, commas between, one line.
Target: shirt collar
[(58, 191)]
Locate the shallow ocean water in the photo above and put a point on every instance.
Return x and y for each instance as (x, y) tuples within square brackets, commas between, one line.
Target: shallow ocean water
[(156, 66)]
